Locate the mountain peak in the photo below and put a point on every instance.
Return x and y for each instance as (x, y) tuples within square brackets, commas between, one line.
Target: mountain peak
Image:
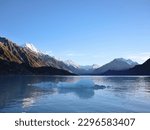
[(128, 61), (117, 65), (5, 41), (95, 66), (90, 67), (31, 47), (72, 63)]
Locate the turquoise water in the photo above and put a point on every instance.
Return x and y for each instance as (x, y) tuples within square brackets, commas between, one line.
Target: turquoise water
[(74, 94)]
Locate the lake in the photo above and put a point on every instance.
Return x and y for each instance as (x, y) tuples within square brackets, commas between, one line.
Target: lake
[(59, 94)]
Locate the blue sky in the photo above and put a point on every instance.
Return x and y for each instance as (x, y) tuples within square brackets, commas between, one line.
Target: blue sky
[(85, 31)]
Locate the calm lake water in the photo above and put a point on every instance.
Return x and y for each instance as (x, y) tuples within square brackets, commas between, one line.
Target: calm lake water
[(74, 94)]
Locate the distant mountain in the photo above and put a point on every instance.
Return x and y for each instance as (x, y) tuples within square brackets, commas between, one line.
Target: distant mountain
[(71, 63), (90, 67), (116, 64), (14, 58), (143, 69), (74, 67), (79, 69)]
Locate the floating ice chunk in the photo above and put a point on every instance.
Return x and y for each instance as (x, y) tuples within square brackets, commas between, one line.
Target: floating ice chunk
[(79, 84)]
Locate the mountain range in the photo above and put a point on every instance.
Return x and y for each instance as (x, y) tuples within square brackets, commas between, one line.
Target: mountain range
[(15, 59)]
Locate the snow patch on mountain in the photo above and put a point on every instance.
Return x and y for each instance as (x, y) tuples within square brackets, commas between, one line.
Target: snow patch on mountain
[(31, 47), (95, 66), (128, 61), (90, 67), (71, 63)]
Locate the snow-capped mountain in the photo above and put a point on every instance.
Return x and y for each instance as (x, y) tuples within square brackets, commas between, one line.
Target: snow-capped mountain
[(90, 67), (84, 67), (128, 61), (53, 61), (15, 59), (48, 60), (117, 64), (71, 63), (95, 66), (31, 47), (79, 69)]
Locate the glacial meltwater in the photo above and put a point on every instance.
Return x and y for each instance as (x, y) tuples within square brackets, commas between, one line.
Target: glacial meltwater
[(59, 94)]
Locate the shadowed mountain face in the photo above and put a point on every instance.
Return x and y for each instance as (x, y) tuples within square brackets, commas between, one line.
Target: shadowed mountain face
[(15, 68), (143, 69), (21, 60)]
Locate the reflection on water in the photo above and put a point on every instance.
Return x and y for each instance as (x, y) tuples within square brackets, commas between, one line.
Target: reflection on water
[(74, 94), (82, 88)]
